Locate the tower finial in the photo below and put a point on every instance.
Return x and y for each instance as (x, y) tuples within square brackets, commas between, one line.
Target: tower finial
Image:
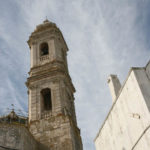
[(46, 20)]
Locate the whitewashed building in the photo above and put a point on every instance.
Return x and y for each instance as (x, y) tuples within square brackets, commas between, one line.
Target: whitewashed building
[(127, 125)]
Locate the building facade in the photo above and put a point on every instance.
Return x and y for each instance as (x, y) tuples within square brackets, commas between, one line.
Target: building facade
[(14, 133), (127, 125), (52, 123), (52, 118)]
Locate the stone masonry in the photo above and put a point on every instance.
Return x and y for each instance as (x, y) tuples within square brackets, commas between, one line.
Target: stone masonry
[(52, 118)]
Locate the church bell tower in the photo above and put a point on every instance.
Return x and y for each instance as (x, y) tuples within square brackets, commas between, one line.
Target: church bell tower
[(52, 118)]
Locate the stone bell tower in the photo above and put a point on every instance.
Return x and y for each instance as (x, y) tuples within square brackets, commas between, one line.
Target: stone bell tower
[(52, 118)]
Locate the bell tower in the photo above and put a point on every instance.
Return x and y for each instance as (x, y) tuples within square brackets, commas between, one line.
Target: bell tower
[(52, 118)]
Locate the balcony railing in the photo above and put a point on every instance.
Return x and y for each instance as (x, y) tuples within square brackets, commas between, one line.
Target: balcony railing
[(45, 57)]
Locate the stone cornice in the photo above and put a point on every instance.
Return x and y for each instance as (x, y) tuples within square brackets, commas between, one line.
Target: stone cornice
[(54, 74), (48, 33), (48, 67), (48, 29)]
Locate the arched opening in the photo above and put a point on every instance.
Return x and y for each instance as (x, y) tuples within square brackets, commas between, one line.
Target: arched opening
[(44, 49), (46, 99)]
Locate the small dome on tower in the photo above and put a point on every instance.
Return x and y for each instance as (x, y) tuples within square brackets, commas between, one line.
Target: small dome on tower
[(46, 21)]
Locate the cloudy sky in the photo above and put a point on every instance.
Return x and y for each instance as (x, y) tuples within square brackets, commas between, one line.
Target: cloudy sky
[(104, 37)]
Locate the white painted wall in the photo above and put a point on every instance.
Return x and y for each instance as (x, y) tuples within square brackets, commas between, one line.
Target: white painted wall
[(129, 116), (114, 86)]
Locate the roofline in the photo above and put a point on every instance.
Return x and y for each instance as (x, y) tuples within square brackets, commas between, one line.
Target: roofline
[(116, 99), (147, 64)]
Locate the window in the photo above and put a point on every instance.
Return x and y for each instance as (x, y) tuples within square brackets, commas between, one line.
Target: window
[(44, 49), (46, 99)]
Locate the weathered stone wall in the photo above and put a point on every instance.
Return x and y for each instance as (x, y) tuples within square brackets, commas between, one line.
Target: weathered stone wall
[(57, 133), (129, 116), (55, 128), (35, 101), (16, 136)]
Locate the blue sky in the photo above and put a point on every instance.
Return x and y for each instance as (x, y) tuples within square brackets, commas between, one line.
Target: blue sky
[(104, 37)]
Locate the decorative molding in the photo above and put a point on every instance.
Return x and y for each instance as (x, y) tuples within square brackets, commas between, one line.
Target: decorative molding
[(46, 57)]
